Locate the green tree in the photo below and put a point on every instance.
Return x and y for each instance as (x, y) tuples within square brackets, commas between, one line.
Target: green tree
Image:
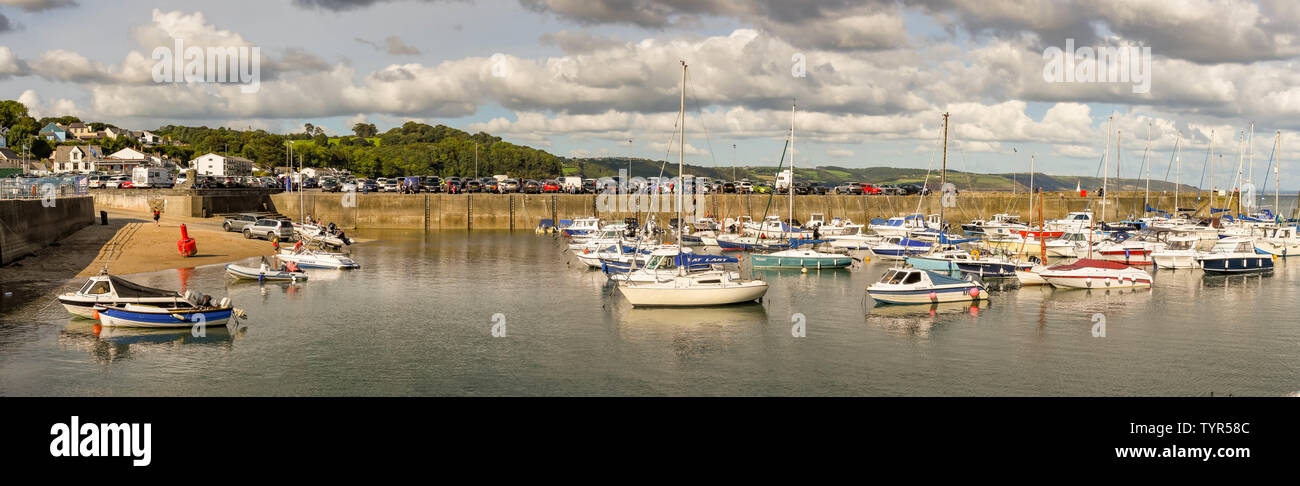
[(11, 112), (365, 130)]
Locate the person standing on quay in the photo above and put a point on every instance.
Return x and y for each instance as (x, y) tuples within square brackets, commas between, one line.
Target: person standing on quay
[(156, 215)]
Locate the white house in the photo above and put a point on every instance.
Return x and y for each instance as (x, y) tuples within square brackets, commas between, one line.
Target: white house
[(148, 138), (220, 165), (76, 158)]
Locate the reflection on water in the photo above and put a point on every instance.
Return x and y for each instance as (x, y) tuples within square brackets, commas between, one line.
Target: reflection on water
[(921, 320), (417, 320), (111, 344)]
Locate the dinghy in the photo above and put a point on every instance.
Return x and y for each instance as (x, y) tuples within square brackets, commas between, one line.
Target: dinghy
[(109, 290), (265, 272), (916, 286)]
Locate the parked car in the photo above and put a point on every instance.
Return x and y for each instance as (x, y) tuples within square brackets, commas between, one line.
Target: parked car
[(762, 188), (238, 222), (589, 186), (801, 188), (728, 187), (890, 190), (551, 185), (744, 187), (453, 186), (269, 229), (819, 188), (510, 185), (390, 185), (473, 185), (492, 186), (367, 185), (348, 186), (330, 185), (851, 188), (310, 183), (910, 188), (532, 187), (871, 189)]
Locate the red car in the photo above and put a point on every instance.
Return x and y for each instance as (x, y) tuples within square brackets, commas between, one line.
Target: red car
[(551, 186), (870, 189)]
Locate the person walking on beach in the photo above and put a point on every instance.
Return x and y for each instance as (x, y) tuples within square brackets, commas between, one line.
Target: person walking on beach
[(156, 215)]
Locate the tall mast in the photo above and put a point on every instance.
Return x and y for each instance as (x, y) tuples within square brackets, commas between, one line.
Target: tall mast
[(1212, 193), (1277, 175), (791, 182), (1250, 152), (943, 175), (681, 156), (1105, 170), (1146, 162), (1119, 157), (1178, 159)]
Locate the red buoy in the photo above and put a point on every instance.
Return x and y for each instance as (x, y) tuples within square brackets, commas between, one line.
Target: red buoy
[(186, 245)]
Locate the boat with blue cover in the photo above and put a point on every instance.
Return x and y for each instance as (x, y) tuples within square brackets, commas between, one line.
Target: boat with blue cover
[(801, 257)]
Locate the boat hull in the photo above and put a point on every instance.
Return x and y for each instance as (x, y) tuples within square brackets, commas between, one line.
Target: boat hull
[(115, 317), (248, 273), (928, 296), (774, 261), (659, 295), (1237, 264)]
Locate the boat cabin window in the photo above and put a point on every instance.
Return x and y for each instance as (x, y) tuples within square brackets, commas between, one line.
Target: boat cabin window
[(1080, 217), (913, 277), (898, 278), (887, 276), (96, 287)]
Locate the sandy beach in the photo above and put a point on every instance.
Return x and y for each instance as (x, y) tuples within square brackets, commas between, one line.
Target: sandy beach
[(139, 246), (129, 243)]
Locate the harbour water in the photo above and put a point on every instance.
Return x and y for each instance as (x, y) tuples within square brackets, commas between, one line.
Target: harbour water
[(418, 319)]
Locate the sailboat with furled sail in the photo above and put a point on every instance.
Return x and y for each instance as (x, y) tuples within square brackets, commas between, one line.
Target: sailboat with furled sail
[(694, 289)]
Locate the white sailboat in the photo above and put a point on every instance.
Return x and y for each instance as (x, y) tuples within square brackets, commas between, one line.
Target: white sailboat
[(691, 289)]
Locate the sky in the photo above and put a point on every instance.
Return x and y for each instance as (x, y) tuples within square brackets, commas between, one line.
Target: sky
[(870, 79)]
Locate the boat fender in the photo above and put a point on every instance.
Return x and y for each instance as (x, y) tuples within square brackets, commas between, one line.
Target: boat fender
[(95, 314), (975, 292), (933, 295)]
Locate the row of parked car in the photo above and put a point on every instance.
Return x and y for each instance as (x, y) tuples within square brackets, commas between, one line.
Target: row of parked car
[(451, 185)]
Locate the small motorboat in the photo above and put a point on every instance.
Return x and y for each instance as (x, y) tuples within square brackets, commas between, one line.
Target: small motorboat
[(308, 258), (917, 286), (322, 235), (199, 309), (265, 272), (1089, 273), (581, 226), (1179, 252), (109, 290), (1279, 241), (1235, 255)]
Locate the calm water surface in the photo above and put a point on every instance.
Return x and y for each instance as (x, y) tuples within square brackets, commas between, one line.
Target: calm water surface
[(417, 320)]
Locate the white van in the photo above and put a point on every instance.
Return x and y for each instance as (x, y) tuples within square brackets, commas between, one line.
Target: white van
[(143, 177), (571, 184)]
